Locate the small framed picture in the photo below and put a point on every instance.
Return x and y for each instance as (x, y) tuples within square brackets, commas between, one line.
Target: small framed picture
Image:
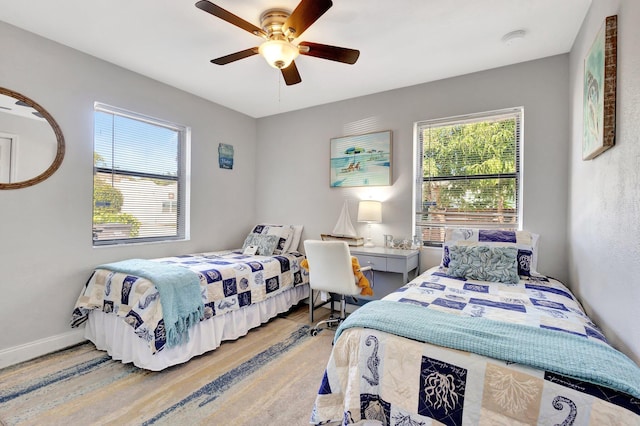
[(225, 156), (250, 250)]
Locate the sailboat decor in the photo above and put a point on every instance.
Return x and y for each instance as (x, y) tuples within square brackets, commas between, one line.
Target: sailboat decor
[(344, 230)]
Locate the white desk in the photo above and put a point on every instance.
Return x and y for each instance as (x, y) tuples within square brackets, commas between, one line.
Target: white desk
[(389, 260)]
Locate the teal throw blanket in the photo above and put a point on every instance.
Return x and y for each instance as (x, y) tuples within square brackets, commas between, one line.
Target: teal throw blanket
[(548, 350), (179, 289)]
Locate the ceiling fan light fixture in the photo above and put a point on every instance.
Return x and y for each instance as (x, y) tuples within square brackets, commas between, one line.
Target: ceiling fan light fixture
[(278, 53)]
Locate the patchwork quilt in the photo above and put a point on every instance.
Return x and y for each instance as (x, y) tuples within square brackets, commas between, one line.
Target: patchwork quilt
[(229, 280), (375, 374), (538, 301)]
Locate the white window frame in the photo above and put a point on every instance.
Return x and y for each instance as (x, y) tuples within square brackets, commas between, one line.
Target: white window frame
[(182, 179), (417, 210)]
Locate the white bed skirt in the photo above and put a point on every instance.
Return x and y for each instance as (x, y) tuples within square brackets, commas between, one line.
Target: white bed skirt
[(111, 334)]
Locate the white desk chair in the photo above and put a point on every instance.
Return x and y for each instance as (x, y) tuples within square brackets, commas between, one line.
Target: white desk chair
[(330, 270)]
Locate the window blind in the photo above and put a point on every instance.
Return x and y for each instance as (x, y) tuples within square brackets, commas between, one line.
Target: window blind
[(139, 178), (467, 173)]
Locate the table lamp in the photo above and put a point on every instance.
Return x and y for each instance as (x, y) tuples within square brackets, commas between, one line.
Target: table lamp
[(369, 211)]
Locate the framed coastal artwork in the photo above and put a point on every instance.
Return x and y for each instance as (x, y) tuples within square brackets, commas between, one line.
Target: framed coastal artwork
[(599, 92), (361, 160)]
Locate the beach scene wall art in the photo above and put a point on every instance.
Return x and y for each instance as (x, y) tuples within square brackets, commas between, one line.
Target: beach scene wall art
[(361, 160)]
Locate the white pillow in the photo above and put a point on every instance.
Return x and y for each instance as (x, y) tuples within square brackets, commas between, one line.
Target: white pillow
[(295, 239)]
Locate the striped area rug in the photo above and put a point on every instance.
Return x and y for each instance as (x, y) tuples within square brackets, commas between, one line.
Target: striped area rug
[(269, 377)]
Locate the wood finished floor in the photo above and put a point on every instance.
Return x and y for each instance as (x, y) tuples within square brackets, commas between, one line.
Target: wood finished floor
[(300, 314), (265, 398)]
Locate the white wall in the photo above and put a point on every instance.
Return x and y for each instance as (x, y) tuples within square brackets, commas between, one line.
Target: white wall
[(46, 252), (604, 208), (300, 192), (34, 148), (45, 230)]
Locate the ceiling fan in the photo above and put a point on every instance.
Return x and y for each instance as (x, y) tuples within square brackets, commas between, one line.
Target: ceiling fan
[(279, 29)]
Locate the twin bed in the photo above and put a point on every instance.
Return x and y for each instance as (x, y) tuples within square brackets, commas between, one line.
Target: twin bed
[(126, 305), (482, 339)]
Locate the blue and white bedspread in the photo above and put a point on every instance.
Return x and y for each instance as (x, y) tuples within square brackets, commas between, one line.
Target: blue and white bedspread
[(422, 356), (229, 281)]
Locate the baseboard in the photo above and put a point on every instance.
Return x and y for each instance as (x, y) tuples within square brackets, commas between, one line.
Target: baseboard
[(17, 354)]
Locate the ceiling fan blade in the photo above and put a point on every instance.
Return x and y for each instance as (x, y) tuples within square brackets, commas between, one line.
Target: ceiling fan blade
[(291, 75), (306, 13), (223, 60), (225, 15), (332, 53)]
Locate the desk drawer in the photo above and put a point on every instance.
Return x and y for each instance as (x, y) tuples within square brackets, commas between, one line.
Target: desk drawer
[(397, 265), (402, 265), (377, 263)]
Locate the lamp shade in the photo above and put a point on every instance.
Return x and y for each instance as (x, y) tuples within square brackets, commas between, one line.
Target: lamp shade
[(278, 53), (370, 211)]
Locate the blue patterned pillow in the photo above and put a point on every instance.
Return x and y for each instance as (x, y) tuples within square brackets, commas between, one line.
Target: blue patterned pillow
[(283, 233), (485, 263), (526, 243), (265, 243)]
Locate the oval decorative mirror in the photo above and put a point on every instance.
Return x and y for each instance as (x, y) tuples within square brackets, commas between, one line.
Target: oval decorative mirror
[(31, 142)]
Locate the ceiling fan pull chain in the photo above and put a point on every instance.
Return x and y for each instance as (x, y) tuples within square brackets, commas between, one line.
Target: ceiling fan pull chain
[(279, 88)]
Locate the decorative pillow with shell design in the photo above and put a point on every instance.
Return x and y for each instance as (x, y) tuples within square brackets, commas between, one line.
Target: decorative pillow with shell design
[(525, 242), (283, 234), (485, 263), (266, 244)]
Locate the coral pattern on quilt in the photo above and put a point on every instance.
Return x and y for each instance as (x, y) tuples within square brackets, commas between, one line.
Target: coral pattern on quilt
[(229, 281), (376, 375)]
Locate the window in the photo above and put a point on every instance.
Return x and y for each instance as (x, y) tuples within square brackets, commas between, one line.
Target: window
[(139, 180), (467, 173)]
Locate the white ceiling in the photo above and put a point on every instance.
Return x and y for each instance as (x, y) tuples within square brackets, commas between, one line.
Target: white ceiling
[(401, 43)]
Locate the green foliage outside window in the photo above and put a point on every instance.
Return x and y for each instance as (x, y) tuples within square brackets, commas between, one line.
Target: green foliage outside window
[(470, 167), (107, 204)]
